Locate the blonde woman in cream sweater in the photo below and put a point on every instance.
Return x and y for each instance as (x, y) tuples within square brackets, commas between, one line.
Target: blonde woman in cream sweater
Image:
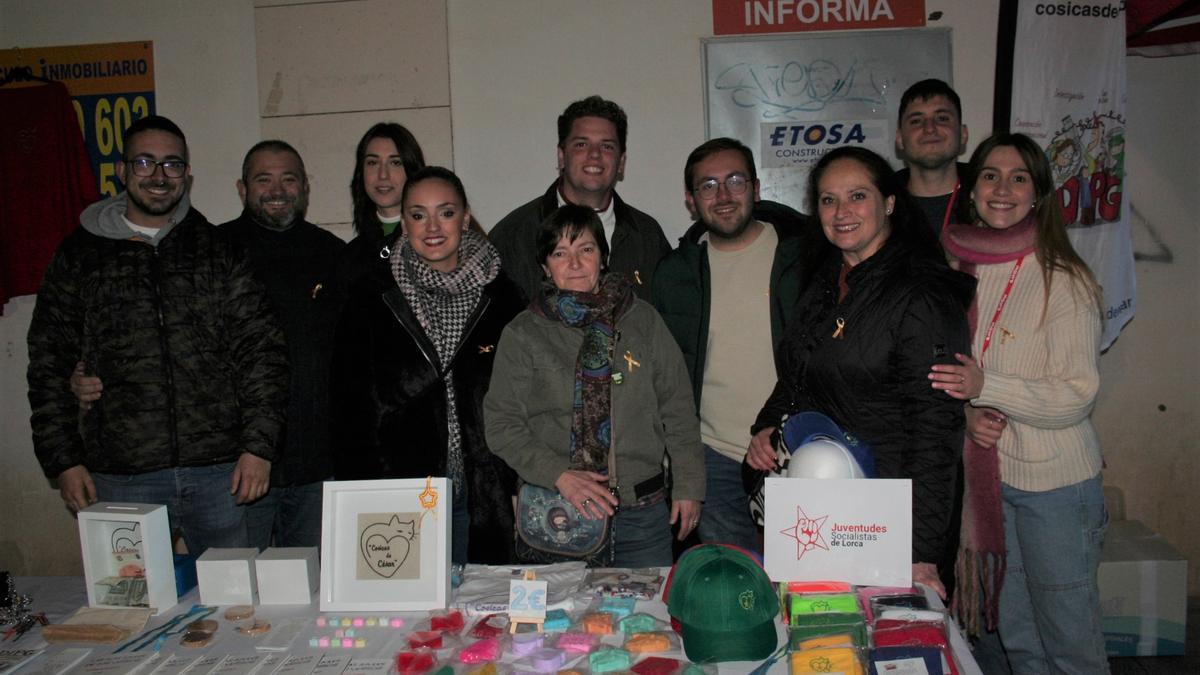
[(1033, 507)]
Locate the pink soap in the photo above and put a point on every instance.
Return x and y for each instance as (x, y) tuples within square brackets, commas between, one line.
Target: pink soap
[(397, 622), (321, 621), (582, 643), (347, 642), (323, 642), (359, 622), (483, 651)]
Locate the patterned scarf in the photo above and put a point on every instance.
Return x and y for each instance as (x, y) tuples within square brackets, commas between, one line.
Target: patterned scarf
[(596, 313), (982, 558), (442, 303)]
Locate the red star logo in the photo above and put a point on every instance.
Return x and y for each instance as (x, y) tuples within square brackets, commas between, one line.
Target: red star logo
[(807, 533)]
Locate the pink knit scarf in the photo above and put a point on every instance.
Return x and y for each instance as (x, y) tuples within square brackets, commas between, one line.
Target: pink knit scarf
[(981, 562)]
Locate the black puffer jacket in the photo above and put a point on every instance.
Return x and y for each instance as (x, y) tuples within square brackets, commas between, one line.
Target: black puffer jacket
[(904, 312), (389, 401), (179, 331)]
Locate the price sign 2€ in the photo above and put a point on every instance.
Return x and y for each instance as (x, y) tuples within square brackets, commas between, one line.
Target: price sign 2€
[(527, 600)]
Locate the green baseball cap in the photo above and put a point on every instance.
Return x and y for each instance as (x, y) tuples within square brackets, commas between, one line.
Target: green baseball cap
[(725, 605)]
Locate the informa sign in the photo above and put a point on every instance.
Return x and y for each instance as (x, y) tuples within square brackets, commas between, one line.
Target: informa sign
[(793, 99), (111, 85), (857, 531), (732, 17), (1068, 94)]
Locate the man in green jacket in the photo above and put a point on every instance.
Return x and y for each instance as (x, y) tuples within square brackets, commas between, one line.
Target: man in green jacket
[(710, 292)]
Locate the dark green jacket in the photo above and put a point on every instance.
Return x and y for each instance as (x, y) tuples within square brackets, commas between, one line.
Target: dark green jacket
[(636, 247), (681, 284)]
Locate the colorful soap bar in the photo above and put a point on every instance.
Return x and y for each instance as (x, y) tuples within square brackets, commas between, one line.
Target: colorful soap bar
[(482, 651), (425, 638), (619, 607), (548, 660), (557, 620), (638, 623), (648, 643), (414, 663), (609, 659), (450, 622)]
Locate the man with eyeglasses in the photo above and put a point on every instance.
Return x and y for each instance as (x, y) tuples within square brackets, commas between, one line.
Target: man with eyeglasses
[(163, 308), (591, 160), (726, 294)]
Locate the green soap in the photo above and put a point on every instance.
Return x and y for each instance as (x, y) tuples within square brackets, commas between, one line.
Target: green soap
[(821, 603), (556, 620), (693, 669), (638, 623), (444, 670), (609, 659)]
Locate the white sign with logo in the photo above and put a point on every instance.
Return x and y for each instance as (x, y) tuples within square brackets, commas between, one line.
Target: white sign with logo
[(857, 531)]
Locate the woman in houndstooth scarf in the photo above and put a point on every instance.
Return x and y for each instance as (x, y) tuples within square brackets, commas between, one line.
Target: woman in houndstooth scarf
[(421, 348)]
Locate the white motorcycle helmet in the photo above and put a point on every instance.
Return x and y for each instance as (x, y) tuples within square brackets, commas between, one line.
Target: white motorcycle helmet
[(823, 458), (810, 445)]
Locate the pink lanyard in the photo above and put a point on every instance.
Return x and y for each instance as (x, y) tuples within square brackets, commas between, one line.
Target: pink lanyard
[(1012, 279)]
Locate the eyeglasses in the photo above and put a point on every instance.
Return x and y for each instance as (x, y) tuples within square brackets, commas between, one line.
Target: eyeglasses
[(145, 167), (736, 184)]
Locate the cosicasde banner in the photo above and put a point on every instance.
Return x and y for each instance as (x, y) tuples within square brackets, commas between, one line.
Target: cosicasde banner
[(1068, 94)]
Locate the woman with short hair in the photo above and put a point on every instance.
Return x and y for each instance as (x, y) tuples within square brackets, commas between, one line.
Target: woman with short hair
[(590, 370)]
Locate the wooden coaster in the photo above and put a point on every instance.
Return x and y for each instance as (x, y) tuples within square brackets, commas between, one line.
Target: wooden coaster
[(195, 639), (203, 626), (255, 628), (239, 612)]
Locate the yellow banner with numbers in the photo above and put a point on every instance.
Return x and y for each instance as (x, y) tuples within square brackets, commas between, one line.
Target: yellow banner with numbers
[(111, 85)]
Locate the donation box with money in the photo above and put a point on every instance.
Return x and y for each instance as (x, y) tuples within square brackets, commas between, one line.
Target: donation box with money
[(127, 559)]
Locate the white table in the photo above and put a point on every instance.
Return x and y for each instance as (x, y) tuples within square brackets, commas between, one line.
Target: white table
[(59, 597)]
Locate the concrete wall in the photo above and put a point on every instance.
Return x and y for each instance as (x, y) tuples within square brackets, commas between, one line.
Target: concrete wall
[(512, 67)]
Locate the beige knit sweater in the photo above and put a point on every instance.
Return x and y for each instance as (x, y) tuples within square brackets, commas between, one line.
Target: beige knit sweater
[(1043, 373)]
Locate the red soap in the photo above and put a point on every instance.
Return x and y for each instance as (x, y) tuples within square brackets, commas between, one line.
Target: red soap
[(450, 622), (425, 638), (656, 665), (414, 663), (490, 626)]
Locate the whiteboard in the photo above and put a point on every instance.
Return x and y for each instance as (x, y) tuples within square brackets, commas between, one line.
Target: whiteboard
[(793, 98)]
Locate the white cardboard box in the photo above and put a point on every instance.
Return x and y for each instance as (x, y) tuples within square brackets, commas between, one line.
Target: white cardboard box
[(1143, 592), (109, 527), (227, 577), (287, 576)]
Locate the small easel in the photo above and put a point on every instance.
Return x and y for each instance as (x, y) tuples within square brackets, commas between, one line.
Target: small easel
[(525, 615)]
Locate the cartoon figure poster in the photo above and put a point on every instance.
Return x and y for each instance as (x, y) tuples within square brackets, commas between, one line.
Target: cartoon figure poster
[(858, 531), (389, 546)]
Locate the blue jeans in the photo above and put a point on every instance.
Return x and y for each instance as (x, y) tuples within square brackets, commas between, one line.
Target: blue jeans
[(642, 536), (197, 498), (288, 515), (1050, 603), (725, 518)]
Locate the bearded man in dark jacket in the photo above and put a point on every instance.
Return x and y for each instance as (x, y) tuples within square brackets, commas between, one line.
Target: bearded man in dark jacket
[(164, 309), (297, 262)]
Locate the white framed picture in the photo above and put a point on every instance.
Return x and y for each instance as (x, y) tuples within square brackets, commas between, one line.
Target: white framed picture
[(385, 545)]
